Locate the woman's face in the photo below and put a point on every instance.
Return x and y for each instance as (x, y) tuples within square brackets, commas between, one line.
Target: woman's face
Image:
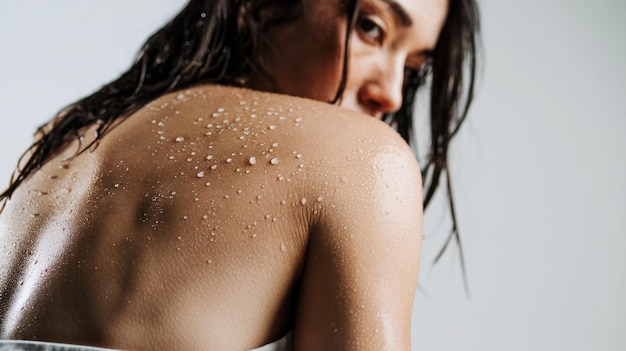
[(305, 57)]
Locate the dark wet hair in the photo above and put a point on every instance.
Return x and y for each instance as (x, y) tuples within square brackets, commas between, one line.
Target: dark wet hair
[(214, 41), (452, 75)]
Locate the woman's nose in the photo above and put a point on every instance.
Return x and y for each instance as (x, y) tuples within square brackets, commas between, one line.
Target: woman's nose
[(381, 91)]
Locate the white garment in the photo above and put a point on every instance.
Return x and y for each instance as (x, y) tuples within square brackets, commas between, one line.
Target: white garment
[(27, 345), (283, 344)]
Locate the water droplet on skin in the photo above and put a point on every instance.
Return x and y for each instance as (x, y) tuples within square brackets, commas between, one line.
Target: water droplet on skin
[(229, 160), (254, 236), (275, 145), (208, 184), (200, 174), (173, 193), (185, 217), (275, 161), (283, 247), (210, 157), (117, 185), (220, 110), (320, 198), (283, 202), (344, 179), (299, 156), (205, 217), (179, 139), (214, 167), (209, 261), (303, 201), (272, 127), (171, 157)]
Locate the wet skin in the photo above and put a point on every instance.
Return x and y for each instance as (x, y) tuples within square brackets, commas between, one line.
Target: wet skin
[(190, 228)]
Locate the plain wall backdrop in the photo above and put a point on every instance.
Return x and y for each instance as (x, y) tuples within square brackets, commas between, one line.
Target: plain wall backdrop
[(538, 170)]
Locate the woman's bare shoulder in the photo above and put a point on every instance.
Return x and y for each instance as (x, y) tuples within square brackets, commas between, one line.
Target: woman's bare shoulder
[(216, 131), (222, 118)]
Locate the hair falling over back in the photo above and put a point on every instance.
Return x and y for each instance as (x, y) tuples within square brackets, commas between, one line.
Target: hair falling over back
[(215, 41), (452, 76)]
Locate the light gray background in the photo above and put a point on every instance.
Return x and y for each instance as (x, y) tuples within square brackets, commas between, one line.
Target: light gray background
[(538, 170)]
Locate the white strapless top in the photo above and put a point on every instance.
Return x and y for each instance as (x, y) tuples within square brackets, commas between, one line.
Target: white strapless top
[(283, 344)]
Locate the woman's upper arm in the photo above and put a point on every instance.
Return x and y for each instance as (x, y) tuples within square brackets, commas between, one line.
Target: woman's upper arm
[(362, 263)]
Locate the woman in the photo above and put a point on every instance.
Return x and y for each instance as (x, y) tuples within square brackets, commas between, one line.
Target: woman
[(231, 187)]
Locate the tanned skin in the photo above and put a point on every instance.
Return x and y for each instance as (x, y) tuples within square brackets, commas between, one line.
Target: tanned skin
[(218, 218)]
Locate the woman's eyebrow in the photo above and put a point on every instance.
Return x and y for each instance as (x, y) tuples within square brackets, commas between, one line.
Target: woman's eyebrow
[(399, 12)]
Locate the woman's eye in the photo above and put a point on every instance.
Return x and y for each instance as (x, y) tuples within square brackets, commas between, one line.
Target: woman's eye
[(417, 76), (410, 72), (371, 30), (411, 75)]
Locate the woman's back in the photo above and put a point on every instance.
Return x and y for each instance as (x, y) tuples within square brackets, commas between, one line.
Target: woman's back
[(208, 217)]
